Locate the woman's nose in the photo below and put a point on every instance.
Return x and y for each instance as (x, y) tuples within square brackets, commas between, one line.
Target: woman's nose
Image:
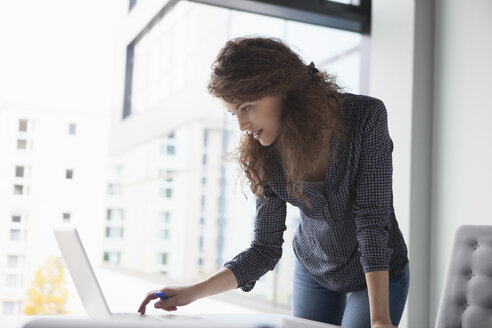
[(243, 123)]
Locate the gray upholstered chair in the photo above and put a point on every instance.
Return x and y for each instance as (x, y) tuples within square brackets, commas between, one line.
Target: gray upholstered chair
[(466, 300)]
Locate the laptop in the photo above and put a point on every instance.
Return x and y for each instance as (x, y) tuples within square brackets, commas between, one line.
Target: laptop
[(84, 278), (90, 292)]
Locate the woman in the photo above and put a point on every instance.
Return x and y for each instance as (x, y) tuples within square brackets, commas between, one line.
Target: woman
[(328, 153)]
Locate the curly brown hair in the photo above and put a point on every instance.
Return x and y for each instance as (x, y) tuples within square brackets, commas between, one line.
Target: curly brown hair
[(250, 68)]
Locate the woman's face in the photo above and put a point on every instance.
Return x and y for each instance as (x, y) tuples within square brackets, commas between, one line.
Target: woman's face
[(260, 118)]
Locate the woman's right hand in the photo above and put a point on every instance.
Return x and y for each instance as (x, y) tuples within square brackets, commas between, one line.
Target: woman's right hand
[(223, 280), (176, 296)]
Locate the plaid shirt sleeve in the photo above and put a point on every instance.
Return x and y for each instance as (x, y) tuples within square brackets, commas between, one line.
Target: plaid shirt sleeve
[(373, 192), (266, 247)]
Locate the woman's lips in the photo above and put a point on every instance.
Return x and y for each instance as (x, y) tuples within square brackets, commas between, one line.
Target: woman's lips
[(257, 134)]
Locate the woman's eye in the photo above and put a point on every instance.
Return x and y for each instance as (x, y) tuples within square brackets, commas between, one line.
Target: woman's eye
[(246, 108)]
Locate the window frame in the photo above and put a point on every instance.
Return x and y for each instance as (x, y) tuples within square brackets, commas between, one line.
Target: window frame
[(348, 17), (317, 12)]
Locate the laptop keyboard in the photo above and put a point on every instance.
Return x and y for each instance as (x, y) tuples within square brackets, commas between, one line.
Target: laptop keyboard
[(135, 316)]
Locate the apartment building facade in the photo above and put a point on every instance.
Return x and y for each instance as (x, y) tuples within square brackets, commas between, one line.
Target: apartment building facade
[(53, 168)]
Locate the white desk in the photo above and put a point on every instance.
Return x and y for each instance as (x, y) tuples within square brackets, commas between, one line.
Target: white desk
[(242, 320)]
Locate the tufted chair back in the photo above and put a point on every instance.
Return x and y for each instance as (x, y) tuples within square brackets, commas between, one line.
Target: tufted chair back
[(466, 300)]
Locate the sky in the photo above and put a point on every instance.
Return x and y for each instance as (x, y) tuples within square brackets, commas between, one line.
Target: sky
[(58, 54)]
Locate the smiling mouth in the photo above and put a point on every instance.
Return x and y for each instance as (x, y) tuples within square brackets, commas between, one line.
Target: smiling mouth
[(257, 134)]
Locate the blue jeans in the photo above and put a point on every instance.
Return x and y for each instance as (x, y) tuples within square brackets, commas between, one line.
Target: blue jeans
[(312, 301)]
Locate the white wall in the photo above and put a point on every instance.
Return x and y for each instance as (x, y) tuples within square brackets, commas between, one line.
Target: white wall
[(462, 176), (391, 80), (430, 64)]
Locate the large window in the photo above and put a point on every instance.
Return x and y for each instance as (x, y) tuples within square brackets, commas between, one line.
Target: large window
[(182, 172), (173, 53)]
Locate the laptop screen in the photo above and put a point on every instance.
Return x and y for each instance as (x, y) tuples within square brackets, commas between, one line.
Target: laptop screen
[(81, 271)]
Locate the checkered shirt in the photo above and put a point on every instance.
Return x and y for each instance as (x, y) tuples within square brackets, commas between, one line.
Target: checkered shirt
[(350, 228)]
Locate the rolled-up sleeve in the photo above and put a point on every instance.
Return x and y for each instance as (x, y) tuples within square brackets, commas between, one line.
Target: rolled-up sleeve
[(266, 247), (373, 192)]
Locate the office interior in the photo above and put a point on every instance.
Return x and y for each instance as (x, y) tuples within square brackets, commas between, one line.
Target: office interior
[(429, 61)]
